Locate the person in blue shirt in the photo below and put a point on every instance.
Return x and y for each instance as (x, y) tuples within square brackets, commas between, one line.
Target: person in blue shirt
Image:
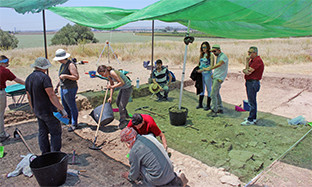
[(206, 60)]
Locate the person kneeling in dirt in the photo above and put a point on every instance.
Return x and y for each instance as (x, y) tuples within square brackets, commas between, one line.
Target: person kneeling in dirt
[(145, 124), (148, 160), (43, 101), (159, 76)]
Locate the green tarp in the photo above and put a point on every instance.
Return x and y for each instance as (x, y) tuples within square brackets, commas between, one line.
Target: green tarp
[(34, 6), (241, 19)]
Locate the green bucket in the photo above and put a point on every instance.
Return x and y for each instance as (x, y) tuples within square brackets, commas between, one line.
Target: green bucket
[(1, 151)]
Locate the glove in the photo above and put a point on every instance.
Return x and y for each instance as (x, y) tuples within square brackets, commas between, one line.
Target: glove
[(64, 113), (22, 167)]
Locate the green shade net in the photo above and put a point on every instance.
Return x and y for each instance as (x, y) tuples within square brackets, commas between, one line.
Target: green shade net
[(34, 6), (241, 19)]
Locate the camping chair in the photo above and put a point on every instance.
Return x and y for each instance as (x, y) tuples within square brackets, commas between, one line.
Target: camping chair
[(16, 90)]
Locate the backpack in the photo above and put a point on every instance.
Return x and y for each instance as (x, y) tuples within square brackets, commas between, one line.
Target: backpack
[(173, 77)]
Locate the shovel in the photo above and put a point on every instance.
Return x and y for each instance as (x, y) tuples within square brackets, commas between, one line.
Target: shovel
[(94, 147), (18, 134), (143, 109)]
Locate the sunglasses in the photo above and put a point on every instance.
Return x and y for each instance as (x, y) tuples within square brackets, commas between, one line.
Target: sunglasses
[(213, 51), (249, 52), (204, 47)]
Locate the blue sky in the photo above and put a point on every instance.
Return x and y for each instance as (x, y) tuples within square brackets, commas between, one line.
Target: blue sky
[(11, 20)]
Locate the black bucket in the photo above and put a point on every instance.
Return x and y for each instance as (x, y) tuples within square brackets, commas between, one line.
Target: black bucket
[(50, 169), (108, 114), (178, 118)]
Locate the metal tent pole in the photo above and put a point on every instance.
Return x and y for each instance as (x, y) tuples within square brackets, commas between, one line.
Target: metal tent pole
[(152, 60), (45, 37), (184, 62)]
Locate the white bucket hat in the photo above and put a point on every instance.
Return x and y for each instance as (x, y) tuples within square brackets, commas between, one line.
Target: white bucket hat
[(61, 54), (41, 63)]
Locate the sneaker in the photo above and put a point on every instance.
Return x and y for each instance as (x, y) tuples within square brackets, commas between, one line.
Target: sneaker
[(122, 125), (247, 123), (4, 136), (71, 128), (206, 108), (212, 113), (254, 120), (160, 99), (220, 111)]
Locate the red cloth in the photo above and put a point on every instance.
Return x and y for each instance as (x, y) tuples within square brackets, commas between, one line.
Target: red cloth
[(128, 135), (5, 74), (258, 66), (149, 126)]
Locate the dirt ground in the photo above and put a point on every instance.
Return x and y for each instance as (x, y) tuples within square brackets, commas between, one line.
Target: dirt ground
[(281, 94)]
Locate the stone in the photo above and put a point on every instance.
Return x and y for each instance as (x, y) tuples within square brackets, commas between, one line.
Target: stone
[(231, 180), (202, 174)]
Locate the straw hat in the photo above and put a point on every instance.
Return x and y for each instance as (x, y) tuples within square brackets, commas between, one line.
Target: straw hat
[(154, 88), (41, 63), (61, 54)]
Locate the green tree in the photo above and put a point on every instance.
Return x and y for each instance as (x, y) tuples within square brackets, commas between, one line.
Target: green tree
[(7, 40), (73, 35)]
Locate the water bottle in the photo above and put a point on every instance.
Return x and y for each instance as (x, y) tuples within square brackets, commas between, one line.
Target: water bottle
[(138, 83)]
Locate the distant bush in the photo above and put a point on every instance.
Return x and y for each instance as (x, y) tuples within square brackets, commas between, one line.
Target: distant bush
[(73, 35), (7, 40)]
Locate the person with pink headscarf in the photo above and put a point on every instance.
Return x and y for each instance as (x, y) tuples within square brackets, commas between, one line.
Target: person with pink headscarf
[(149, 161)]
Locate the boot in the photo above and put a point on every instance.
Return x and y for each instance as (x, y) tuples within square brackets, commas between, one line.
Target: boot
[(166, 96), (208, 103), (159, 96), (200, 102)]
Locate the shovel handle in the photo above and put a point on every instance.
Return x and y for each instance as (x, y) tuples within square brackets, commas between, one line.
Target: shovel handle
[(20, 134), (152, 112), (102, 109)]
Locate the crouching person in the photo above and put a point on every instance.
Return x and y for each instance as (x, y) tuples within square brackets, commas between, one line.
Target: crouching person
[(149, 161)]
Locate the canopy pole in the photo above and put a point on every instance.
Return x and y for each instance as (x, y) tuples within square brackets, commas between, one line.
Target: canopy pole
[(45, 37), (184, 62), (152, 59)]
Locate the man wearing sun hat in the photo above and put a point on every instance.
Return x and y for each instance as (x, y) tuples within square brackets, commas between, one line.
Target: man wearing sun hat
[(43, 101), (68, 75), (219, 75), (5, 75), (253, 74), (148, 160)]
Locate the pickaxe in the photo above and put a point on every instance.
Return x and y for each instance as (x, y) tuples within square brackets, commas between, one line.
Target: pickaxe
[(143, 108)]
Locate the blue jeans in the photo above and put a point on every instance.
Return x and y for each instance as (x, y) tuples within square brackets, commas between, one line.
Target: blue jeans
[(252, 87), (216, 101), (207, 83), (48, 124), (68, 97)]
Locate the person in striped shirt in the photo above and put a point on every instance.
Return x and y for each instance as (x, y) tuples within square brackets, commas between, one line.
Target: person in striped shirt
[(159, 76)]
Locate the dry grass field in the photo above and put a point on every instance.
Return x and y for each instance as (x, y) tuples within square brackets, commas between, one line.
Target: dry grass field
[(279, 55)]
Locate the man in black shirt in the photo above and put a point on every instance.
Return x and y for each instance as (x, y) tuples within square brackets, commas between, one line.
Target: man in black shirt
[(44, 102)]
